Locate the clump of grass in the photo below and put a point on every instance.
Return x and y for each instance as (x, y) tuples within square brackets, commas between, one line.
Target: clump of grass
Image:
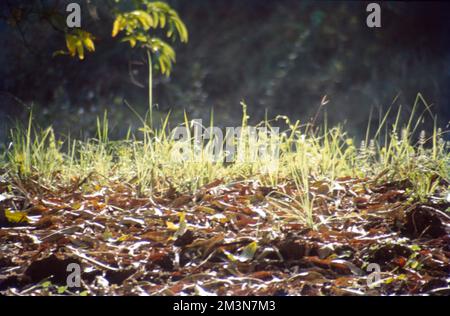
[(150, 161), (34, 152)]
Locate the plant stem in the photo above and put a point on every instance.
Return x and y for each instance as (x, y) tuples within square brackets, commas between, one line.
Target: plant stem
[(150, 85)]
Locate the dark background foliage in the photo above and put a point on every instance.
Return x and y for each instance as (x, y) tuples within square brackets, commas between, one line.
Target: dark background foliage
[(280, 56)]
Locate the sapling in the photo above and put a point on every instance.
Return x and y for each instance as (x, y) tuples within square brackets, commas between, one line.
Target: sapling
[(136, 25)]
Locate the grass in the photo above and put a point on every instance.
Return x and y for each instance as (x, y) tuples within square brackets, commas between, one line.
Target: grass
[(150, 162)]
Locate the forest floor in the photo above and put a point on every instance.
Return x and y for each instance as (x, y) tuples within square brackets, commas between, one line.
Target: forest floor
[(224, 239)]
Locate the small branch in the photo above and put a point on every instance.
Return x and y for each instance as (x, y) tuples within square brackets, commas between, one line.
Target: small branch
[(93, 261)]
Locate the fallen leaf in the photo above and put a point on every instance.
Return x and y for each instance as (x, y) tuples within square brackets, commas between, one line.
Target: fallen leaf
[(248, 252), (16, 217)]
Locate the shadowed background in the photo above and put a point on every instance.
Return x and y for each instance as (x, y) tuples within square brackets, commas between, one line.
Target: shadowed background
[(281, 57)]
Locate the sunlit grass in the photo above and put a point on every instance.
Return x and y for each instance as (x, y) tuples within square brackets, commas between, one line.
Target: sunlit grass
[(152, 162)]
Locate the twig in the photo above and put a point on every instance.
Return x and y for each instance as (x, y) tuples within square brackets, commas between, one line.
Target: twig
[(95, 262)]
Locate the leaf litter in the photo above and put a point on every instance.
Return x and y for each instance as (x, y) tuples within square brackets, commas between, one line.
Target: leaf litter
[(230, 239)]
